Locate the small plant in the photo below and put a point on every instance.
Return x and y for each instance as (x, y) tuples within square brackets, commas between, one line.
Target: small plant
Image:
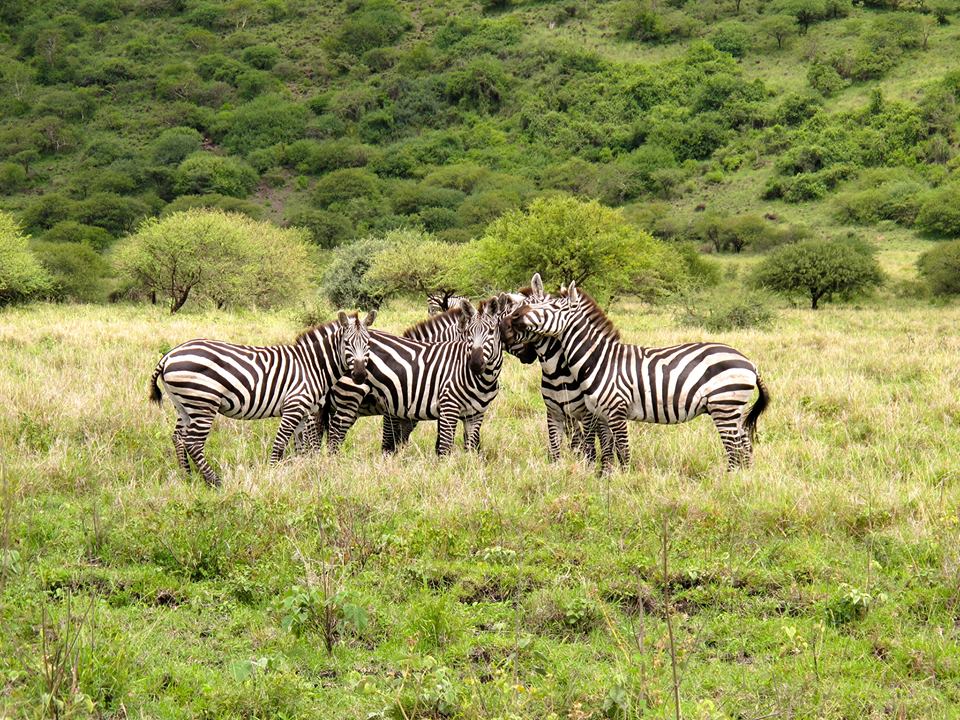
[(497, 555), (851, 604), (311, 609), (61, 647)]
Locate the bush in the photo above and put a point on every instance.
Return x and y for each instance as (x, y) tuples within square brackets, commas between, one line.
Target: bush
[(327, 229), (213, 201), (175, 144), (12, 178), (375, 24), (409, 198), (217, 257), (939, 213), (342, 185), (940, 268), (22, 277), (567, 239), (819, 269), (70, 231), (115, 214), (77, 272), (733, 38), (412, 263), (203, 173), (720, 311), (344, 282), (262, 57), (481, 85), (898, 200), (317, 157), (825, 79), (263, 122)]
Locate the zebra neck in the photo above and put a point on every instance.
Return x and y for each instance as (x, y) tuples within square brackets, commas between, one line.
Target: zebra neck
[(319, 357), (585, 347)]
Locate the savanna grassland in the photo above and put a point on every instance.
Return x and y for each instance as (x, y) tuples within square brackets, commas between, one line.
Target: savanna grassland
[(823, 582)]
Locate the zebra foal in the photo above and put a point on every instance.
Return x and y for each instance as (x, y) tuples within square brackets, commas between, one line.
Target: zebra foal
[(204, 378), (622, 382)]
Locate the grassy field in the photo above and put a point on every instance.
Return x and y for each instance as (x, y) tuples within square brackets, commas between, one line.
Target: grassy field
[(822, 583)]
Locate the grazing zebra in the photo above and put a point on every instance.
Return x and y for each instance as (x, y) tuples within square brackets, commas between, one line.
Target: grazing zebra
[(440, 302), (412, 380), (207, 377), (624, 382)]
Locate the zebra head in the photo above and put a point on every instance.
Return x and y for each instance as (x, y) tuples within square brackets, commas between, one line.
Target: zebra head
[(355, 343), (548, 317), (482, 330)]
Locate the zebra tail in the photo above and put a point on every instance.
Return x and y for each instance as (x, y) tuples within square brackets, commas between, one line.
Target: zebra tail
[(763, 399), (155, 394)]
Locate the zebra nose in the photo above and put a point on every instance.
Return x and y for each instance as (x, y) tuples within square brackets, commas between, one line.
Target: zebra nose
[(359, 370)]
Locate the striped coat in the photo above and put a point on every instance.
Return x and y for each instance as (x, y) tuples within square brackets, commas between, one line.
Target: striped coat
[(411, 380), (204, 378), (622, 382)]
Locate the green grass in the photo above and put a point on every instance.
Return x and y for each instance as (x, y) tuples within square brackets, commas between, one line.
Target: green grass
[(822, 583)]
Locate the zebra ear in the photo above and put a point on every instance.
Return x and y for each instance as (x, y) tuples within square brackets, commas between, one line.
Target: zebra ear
[(536, 285), (343, 319), (573, 295), (493, 306), (371, 316), (563, 288)]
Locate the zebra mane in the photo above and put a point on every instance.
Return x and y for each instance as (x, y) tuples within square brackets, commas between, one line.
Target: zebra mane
[(424, 328), (322, 330), (596, 316)]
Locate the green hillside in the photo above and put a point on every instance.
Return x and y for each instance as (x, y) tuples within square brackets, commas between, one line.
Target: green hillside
[(357, 117)]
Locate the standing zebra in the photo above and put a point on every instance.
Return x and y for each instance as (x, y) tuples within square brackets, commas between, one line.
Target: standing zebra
[(624, 382), (564, 400), (440, 302), (207, 377), (411, 380)]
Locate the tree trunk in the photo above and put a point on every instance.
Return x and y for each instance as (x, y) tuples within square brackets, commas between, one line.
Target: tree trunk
[(179, 301), (814, 299)]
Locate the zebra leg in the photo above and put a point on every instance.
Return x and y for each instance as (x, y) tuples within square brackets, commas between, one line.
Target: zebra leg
[(556, 429), (731, 435), (588, 446), (621, 437), (606, 446), (293, 417), (392, 435), (194, 438), (446, 427), (471, 433), (180, 447)]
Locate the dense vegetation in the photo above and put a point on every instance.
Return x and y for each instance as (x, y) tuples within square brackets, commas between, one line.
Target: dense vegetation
[(778, 120)]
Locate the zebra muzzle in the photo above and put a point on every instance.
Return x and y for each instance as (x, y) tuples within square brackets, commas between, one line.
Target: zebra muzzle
[(358, 372), (476, 360)]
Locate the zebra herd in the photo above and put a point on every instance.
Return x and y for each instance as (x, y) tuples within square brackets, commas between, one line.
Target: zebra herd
[(447, 368)]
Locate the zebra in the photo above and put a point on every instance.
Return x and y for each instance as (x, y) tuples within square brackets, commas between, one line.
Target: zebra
[(206, 377), (665, 385), (440, 302), (564, 401), (412, 380)]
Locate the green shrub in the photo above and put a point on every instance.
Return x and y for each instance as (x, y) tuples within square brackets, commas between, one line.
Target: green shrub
[(733, 38), (343, 281), (409, 197), (13, 177), (76, 271), (262, 57), (825, 79), (343, 185), (213, 201), (327, 229), (315, 157), (173, 145), (819, 269), (375, 24), (215, 257), (114, 213), (203, 173), (722, 310), (260, 123), (940, 268), (22, 277), (568, 239), (939, 213), (413, 263), (70, 231), (481, 85)]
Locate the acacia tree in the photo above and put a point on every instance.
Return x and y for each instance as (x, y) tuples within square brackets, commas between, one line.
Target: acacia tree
[(412, 262), (21, 275), (779, 27), (567, 239), (819, 269), (218, 257)]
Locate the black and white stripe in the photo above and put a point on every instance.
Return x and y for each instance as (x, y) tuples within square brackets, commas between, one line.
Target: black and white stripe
[(622, 382), (412, 380), (204, 378), (440, 302), (567, 414)]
